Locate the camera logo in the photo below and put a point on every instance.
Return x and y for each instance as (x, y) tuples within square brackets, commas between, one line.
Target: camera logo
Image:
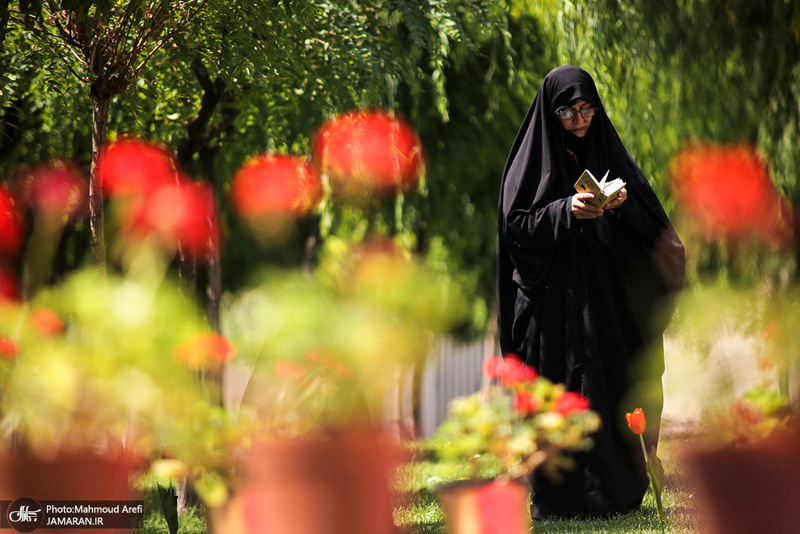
[(25, 515)]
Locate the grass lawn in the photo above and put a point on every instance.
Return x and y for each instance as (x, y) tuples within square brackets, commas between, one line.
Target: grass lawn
[(421, 513)]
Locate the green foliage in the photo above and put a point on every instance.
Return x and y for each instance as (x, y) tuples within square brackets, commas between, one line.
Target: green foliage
[(169, 505), (247, 77)]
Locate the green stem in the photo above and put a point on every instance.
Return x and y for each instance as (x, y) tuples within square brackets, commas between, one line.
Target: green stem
[(644, 449), (651, 473)]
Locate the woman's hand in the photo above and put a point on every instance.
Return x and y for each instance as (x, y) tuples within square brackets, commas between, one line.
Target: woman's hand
[(617, 202), (583, 209)]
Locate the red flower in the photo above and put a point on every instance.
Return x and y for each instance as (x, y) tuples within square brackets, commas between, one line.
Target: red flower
[(272, 183), (130, 165), (12, 224), (493, 367), (570, 402), (729, 193), (526, 402), (636, 421), (207, 350), (182, 214), (369, 151), (516, 372), (46, 322), (58, 190), (8, 348), (509, 369)]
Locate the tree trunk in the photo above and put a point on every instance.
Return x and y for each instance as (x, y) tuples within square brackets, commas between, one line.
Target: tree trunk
[(214, 271), (96, 216)]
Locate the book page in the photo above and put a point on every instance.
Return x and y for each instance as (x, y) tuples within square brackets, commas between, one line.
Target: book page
[(604, 192)]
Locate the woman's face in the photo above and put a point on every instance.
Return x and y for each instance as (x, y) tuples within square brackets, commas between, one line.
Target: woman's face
[(578, 125)]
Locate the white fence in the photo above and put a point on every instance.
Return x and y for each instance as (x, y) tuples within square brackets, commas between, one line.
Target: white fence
[(420, 404)]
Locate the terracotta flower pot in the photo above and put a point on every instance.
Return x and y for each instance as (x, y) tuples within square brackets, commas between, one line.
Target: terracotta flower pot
[(753, 488), (340, 484), (486, 507), (67, 478)]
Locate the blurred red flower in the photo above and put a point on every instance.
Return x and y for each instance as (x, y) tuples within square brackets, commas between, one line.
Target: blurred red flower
[(729, 193), (515, 372), (570, 402), (207, 350), (492, 367), (46, 322), (372, 151), (181, 214), (130, 165), (9, 349), (636, 421), (509, 369), (12, 224), (59, 191), (275, 183), (526, 402)]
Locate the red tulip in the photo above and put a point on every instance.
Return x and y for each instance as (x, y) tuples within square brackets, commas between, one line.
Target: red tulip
[(570, 402), (182, 214), (636, 421), (369, 151), (130, 165), (273, 183), (12, 224)]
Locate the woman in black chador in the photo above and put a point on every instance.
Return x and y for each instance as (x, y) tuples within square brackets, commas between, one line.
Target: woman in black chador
[(584, 293)]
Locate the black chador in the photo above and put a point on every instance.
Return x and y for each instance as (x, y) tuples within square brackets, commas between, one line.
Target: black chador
[(585, 302)]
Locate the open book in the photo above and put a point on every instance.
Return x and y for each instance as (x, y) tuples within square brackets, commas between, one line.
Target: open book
[(604, 192)]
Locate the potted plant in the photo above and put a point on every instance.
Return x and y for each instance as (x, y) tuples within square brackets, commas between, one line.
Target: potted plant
[(323, 370), (100, 370), (494, 439), (326, 345), (744, 465)]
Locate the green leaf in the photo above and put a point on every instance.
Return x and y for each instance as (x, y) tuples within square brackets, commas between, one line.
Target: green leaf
[(169, 505)]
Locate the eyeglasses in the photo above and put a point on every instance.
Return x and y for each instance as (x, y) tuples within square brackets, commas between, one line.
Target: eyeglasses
[(570, 113)]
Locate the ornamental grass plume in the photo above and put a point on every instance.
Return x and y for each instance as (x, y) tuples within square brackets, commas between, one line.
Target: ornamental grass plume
[(655, 471)]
